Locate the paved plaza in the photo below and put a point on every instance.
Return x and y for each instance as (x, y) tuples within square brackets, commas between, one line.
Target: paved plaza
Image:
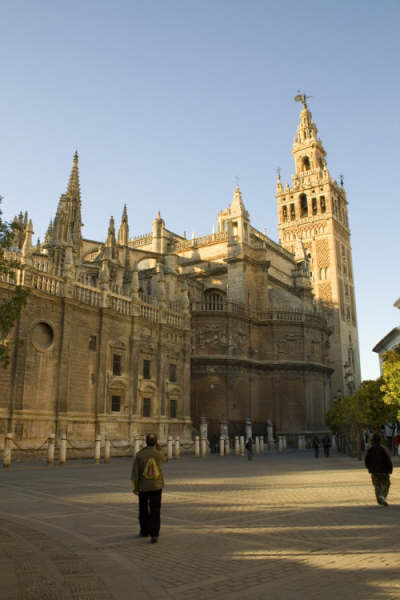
[(283, 527)]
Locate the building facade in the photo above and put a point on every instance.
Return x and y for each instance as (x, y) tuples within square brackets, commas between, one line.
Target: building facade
[(162, 333)]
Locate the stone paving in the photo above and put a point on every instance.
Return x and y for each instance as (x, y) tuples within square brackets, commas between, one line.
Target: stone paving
[(284, 526)]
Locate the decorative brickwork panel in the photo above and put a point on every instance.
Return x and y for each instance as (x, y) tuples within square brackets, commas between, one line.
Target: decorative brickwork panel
[(325, 291), (322, 253)]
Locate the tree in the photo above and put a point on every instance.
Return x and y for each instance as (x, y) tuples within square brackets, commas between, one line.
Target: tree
[(16, 296), (391, 380), (366, 409)]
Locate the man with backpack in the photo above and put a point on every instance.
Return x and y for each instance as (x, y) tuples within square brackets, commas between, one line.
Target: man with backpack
[(148, 482)]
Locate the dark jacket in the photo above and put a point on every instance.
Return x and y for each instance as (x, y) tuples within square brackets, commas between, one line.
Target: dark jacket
[(377, 460), (146, 471)]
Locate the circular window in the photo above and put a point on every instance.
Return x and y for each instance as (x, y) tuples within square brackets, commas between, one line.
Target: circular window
[(42, 336)]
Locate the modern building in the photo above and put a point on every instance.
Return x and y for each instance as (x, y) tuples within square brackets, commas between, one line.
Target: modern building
[(390, 341)]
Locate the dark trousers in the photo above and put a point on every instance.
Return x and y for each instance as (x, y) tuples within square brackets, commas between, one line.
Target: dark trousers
[(149, 512), (326, 450), (381, 483), (316, 451)]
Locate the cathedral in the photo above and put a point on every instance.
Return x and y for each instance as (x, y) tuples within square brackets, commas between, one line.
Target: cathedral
[(163, 333)]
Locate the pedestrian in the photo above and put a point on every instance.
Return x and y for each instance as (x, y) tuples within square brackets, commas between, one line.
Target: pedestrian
[(379, 464), (147, 483), (326, 442), (315, 445), (249, 448), (396, 442)]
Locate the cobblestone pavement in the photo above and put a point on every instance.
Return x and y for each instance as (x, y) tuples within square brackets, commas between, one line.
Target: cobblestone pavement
[(284, 526)]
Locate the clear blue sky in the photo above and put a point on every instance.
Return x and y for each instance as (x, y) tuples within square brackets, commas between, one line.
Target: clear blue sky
[(167, 101)]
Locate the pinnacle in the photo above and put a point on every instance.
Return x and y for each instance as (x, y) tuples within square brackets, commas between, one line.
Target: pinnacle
[(73, 190)]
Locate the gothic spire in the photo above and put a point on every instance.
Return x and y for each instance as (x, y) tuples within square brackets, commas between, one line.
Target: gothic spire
[(110, 242), (237, 206), (73, 190), (68, 222), (123, 233)]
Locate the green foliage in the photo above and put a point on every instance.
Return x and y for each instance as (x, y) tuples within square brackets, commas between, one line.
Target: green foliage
[(391, 379), (16, 298), (366, 409)]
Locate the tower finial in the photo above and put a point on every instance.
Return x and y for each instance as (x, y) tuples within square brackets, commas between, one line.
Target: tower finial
[(302, 98)]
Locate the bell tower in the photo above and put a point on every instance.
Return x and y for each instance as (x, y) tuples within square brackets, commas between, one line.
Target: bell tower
[(313, 209)]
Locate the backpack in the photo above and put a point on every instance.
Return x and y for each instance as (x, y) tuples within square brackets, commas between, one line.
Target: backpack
[(151, 469)]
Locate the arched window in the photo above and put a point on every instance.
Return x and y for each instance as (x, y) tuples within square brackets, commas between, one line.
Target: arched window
[(306, 163), (214, 300), (303, 205)]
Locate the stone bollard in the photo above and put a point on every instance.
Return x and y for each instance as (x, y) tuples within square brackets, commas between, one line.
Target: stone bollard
[(51, 446), (257, 445), (177, 448), (227, 447), (237, 445), (281, 443), (97, 449), (221, 445), (63, 449), (334, 447), (262, 444), (203, 445), (197, 446), (169, 447), (7, 450), (107, 450), (242, 445)]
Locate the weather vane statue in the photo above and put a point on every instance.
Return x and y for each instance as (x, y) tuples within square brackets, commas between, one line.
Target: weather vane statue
[(302, 98)]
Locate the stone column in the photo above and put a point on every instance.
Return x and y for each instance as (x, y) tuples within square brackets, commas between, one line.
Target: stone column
[(51, 445), (203, 444), (63, 449), (270, 435), (261, 444), (177, 448), (203, 427), (249, 431), (107, 450), (169, 447), (138, 444), (97, 449), (221, 445), (242, 445), (281, 442), (334, 446), (237, 445), (197, 446), (302, 442), (227, 447), (7, 450), (257, 445)]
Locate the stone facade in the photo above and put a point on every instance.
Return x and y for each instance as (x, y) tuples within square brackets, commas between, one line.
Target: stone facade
[(158, 332)]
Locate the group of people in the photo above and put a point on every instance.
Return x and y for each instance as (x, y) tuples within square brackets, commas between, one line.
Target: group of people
[(326, 444), (148, 482)]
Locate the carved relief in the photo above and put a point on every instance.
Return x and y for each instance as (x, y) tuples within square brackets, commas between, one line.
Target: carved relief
[(212, 337)]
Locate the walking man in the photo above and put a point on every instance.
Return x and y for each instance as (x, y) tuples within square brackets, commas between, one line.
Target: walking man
[(147, 482), (249, 449), (379, 464), (315, 445), (326, 442)]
